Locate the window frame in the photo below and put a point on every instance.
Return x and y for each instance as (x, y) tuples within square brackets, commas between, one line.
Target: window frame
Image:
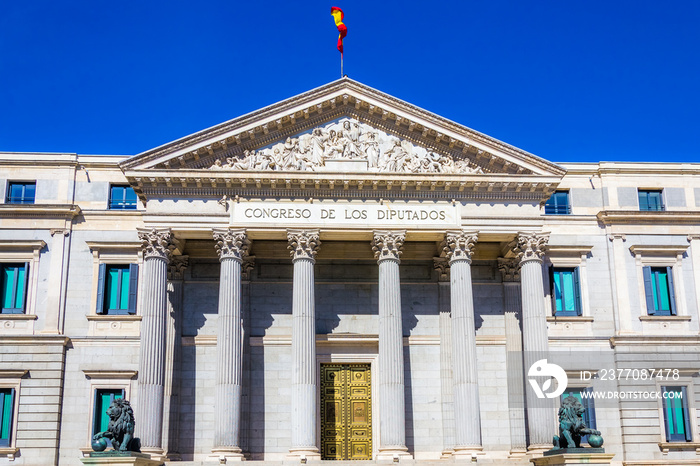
[(102, 288), (555, 206), (23, 200), (669, 256), (685, 380), (95, 429), (653, 292), (564, 256), (577, 311), (12, 379), (104, 380), (16, 286), (121, 204), (685, 409), (647, 192), (588, 404), (18, 252)]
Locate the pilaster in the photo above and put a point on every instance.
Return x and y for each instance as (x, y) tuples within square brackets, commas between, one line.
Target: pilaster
[(620, 284)]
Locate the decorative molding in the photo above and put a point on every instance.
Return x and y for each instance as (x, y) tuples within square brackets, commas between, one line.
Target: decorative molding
[(12, 374), (569, 319), (156, 243), (21, 245), (115, 318), (567, 250), (459, 245), (530, 246), (177, 266), (650, 340), (43, 211), (640, 217), (387, 245), (648, 318), (59, 231), (231, 243), (247, 267), (109, 374), (303, 244), (661, 250), (122, 246), (618, 236), (510, 269)]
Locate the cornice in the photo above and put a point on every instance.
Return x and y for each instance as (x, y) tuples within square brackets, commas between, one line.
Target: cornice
[(63, 211), (336, 99), (648, 340), (613, 217), (12, 340), (215, 184), (659, 250), (22, 245)]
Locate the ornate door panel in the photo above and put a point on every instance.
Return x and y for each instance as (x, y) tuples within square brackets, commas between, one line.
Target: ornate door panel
[(346, 412)]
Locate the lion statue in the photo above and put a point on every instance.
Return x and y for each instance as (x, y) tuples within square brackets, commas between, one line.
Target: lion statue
[(120, 429), (571, 425)]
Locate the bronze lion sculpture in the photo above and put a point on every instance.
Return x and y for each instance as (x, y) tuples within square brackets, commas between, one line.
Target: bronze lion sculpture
[(120, 429), (571, 425)]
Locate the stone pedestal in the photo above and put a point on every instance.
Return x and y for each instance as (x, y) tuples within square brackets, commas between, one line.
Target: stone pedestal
[(110, 458), (573, 457), (392, 424)]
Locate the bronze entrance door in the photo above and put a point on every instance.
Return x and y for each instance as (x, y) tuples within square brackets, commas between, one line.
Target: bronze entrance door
[(346, 412)]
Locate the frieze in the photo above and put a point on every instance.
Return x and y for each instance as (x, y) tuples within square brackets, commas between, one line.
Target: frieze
[(336, 146)]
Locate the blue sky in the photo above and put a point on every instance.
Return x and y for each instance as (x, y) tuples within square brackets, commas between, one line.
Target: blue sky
[(566, 80)]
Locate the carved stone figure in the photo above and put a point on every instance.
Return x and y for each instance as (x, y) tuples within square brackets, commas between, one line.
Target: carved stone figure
[(346, 139), (120, 429), (571, 425)]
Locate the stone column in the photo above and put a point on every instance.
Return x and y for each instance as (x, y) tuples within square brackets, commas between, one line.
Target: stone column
[(446, 381), (231, 246), (304, 245), (529, 250), (157, 247), (512, 296), (621, 302), (173, 336), (392, 411), (459, 247)]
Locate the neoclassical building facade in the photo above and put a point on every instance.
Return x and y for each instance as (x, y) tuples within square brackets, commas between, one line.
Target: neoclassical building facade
[(345, 276)]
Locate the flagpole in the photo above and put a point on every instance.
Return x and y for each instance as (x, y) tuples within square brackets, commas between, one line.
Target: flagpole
[(341, 64)]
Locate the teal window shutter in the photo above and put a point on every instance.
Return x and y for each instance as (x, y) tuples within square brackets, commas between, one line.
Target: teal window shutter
[(677, 415), (649, 291), (103, 398), (25, 287), (577, 291), (133, 287), (101, 289), (671, 292), (553, 291), (686, 415), (7, 405)]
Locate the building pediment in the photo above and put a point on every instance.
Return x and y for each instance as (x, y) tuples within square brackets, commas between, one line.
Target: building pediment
[(345, 134)]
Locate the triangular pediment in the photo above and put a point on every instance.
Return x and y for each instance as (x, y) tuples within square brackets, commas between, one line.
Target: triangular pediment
[(346, 116)]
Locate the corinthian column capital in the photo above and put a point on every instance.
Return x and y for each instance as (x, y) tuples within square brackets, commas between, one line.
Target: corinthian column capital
[(303, 244), (459, 245), (510, 269), (530, 246), (387, 245), (177, 266), (157, 242), (231, 244)]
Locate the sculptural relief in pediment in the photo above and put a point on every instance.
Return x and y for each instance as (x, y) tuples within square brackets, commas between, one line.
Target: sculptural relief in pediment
[(346, 145)]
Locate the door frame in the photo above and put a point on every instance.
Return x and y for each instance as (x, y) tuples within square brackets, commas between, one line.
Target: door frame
[(350, 358)]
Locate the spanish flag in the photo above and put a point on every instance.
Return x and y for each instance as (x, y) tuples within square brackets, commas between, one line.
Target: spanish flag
[(342, 29)]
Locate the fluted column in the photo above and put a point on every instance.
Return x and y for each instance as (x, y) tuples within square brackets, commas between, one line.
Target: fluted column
[(459, 247), (231, 246), (529, 249), (173, 334), (512, 297), (303, 245), (157, 246), (392, 420), (446, 381)]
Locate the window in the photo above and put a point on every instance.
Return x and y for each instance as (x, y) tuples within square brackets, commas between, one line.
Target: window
[(659, 293), (588, 404), (558, 204), (122, 198), (566, 291), (13, 283), (650, 200), (103, 398), (21, 192), (7, 405), (676, 414), (116, 288)]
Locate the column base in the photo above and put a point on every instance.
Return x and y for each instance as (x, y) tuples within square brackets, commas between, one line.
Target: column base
[(464, 453), (112, 458), (537, 450), (517, 453), (304, 454), (393, 454), (447, 453), (225, 455)]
